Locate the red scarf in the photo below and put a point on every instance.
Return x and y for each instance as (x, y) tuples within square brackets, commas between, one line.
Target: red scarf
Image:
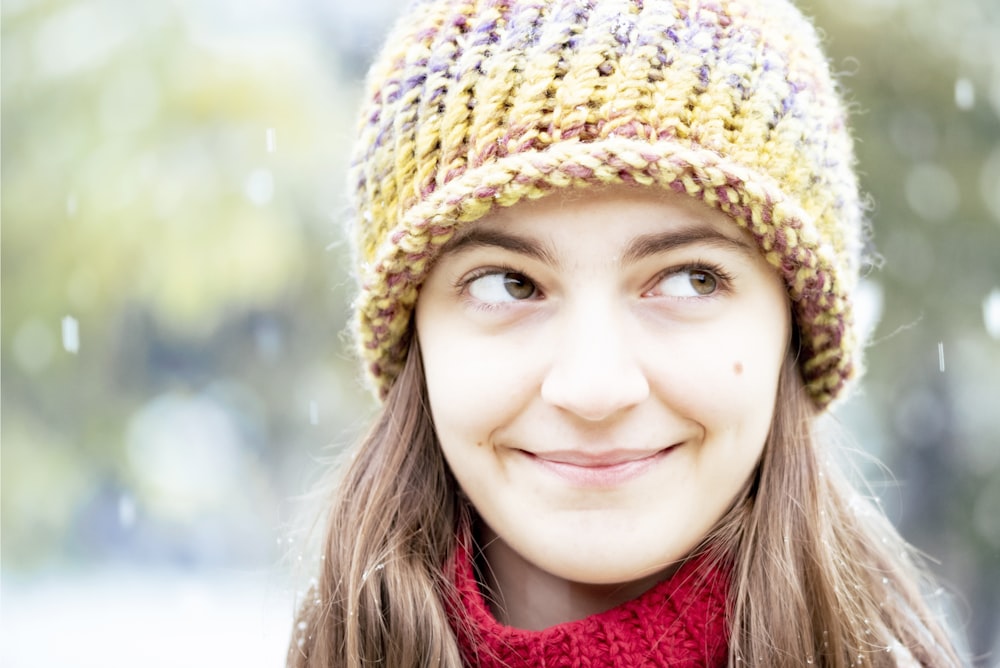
[(679, 623)]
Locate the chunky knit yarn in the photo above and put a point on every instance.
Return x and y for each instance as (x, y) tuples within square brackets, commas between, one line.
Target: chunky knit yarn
[(475, 104), (679, 623)]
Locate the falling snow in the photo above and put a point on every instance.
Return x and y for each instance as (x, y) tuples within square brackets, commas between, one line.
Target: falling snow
[(991, 313), (71, 334)]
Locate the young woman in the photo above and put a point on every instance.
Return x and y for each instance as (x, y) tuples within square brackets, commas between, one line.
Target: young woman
[(607, 251)]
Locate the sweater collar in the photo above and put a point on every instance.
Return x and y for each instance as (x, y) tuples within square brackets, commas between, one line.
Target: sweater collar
[(679, 623)]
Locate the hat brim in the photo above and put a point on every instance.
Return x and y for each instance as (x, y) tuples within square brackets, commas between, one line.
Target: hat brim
[(784, 232)]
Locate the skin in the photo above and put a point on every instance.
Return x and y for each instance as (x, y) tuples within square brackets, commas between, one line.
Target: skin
[(602, 368)]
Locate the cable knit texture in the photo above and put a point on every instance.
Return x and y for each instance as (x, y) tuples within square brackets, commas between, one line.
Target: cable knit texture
[(679, 623), (475, 104)]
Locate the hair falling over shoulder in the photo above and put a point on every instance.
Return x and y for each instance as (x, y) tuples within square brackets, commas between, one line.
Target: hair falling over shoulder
[(818, 574), (378, 600)]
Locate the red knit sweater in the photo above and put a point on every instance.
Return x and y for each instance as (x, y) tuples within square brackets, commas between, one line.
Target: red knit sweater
[(679, 623)]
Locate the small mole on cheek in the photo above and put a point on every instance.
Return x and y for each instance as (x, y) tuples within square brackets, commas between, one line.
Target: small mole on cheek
[(738, 368)]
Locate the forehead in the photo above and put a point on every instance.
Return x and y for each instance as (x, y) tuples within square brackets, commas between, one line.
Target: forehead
[(610, 217)]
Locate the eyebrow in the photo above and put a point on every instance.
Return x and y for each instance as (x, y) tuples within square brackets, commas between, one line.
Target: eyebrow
[(479, 238), (650, 244), (638, 249)]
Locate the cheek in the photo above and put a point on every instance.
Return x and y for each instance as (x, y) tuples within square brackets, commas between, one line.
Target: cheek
[(727, 374), (474, 383)]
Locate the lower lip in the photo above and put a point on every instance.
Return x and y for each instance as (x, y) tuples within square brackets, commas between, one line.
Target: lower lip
[(612, 475)]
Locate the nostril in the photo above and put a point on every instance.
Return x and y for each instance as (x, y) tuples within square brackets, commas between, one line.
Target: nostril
[(595, 392)]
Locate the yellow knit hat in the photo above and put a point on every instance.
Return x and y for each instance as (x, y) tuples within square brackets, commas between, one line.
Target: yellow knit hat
[(475, 104)]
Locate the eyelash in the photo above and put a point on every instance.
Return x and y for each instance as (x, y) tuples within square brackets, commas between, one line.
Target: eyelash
[(723, 277), (463, 283)]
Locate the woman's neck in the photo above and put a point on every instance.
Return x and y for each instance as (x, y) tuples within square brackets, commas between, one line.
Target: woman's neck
[(523, 596)]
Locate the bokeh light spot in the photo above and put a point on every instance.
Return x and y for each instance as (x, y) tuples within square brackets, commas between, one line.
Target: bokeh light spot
[(931, 191)]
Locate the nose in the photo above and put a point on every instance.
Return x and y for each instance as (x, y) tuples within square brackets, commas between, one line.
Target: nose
[(595, 371)]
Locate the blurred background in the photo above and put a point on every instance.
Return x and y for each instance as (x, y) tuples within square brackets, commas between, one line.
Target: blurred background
[(175, 287)]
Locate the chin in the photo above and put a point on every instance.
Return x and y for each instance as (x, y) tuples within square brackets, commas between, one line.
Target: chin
[(611, 570)]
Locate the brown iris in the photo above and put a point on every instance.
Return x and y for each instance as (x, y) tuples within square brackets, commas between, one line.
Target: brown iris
[(703, 282), (518, 286)]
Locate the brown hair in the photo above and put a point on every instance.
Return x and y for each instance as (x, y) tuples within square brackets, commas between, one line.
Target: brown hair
[(391, 528), (818, 574)]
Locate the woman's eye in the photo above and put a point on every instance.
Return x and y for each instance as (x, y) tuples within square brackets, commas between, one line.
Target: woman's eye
[(506, 286), (688, 283)]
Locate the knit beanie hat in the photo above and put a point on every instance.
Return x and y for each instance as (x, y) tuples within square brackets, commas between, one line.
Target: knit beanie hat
[(477, 104)]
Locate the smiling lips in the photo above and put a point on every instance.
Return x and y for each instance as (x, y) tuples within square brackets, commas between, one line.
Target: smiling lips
[(606, 469)]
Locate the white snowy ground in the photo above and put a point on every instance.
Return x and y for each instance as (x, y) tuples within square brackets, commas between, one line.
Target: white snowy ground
[(115, 620)]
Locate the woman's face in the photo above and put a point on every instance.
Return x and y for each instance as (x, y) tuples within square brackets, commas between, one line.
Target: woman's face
[(602, 369)]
